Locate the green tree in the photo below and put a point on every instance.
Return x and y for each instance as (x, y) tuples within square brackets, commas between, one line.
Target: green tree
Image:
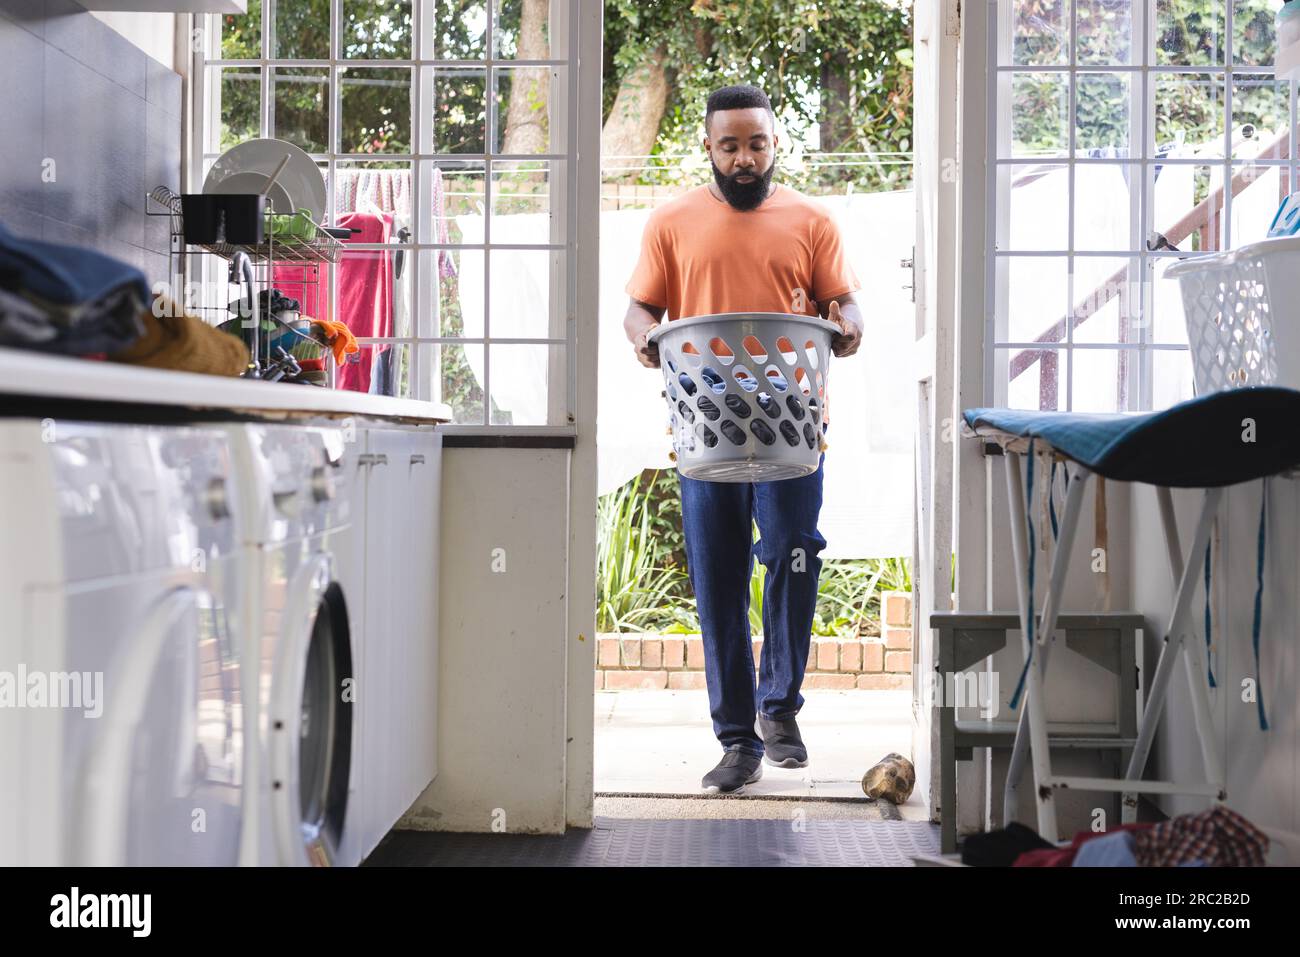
[(841, 67)]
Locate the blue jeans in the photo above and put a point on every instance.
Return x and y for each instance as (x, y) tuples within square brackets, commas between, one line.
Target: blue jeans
[(716, 519)]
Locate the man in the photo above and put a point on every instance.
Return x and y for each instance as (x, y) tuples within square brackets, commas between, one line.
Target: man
[(745, 244)]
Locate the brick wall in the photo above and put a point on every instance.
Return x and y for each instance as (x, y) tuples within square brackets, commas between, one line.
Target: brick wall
[(676, 662)]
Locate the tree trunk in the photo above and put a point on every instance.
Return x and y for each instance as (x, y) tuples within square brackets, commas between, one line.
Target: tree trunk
[(633, 125), (835, 121), (528, 115)]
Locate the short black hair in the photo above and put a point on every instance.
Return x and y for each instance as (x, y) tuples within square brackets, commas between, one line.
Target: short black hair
[(740, 97)]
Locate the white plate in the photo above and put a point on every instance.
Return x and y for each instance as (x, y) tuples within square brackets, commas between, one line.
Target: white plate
[(246, 168)]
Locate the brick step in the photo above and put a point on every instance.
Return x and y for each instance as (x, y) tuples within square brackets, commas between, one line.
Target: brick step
[(676, 662), (636, 679)]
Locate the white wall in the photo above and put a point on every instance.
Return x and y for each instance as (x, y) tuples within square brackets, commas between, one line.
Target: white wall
[(154, 33), (505, 645)]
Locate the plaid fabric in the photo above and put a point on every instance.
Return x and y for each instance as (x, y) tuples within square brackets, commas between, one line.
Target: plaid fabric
[(1219, 837)]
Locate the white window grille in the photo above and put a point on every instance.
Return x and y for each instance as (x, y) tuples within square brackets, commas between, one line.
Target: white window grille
[(1113, 123), (501, 354)]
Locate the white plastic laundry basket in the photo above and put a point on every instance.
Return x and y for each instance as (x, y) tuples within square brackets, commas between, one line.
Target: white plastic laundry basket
[(1243, 315), (746, 393)]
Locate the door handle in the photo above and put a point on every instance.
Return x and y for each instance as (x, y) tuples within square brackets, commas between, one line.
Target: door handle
[(417, 459)]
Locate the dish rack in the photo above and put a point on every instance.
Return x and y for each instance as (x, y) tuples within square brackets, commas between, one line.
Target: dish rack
[(289, 264)]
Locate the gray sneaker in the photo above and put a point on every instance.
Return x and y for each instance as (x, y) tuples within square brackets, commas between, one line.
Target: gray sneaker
[(736, 769), (782, 743)]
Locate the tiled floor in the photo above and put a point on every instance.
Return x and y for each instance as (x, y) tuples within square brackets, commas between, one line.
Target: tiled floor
[(661, 742)]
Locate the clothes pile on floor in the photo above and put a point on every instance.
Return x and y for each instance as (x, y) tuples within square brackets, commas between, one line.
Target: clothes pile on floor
[(1219, 837)]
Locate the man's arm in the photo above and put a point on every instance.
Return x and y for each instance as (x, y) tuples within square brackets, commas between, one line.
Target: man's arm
[(844, 312), (640, 321)]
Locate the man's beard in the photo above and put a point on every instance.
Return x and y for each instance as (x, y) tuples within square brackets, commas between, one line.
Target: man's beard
[(744, 196)]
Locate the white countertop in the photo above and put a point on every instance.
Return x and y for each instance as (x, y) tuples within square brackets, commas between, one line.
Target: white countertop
[(36, 374)]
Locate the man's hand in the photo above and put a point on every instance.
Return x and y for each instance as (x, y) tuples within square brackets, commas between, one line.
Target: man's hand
[(641, 320), (647, 353), (847, 341)]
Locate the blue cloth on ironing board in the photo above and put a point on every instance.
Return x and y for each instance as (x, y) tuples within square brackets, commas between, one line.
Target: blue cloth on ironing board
[(1205, 442)]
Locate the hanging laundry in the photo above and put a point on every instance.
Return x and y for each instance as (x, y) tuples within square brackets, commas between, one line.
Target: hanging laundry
[(446, 262), (365, 190), (389, 190), (364, 280), (365, 294)]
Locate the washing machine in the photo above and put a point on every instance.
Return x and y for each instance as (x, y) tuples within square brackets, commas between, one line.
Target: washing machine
[(120, 719), (299, 769)]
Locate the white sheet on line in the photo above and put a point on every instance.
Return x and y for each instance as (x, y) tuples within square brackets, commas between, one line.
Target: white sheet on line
[(867, 509)]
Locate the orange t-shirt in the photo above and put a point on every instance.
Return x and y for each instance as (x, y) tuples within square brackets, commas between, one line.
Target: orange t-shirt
[(701, 256)]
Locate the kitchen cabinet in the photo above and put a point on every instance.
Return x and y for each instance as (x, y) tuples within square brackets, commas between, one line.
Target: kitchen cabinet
[(396, 530), (424, 479)]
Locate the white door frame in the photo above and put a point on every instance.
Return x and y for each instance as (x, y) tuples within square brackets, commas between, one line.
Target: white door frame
[(951, 58)]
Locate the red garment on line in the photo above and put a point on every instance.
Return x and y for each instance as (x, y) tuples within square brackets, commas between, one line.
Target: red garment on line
[(365, 293)]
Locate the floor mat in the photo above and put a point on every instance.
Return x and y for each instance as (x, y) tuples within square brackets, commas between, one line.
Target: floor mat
[(629, 842), (655, 806)]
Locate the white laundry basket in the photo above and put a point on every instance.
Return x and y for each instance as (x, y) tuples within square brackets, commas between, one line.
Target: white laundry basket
[(1243, 315), (746, 393)]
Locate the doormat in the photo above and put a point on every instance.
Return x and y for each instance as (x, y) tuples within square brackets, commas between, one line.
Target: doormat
[(636, 842), (657, 805)]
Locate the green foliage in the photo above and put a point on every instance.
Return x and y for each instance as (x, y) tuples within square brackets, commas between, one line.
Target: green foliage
[(787, 48), (1189, 107), (633, 592), (846, 595), (757, 578), (375, 102)]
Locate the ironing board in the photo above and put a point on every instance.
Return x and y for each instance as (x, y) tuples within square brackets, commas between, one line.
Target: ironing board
[(1209, 442)]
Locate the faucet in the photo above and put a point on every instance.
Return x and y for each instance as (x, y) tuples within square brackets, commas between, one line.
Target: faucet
[(241, 268)]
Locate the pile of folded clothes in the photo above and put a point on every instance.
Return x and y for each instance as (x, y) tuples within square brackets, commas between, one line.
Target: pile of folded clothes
[(67, 300), (1219, 837), (74, 301)]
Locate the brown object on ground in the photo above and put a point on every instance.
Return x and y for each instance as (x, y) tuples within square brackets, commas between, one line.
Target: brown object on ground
[(893, 779), (184, 343)]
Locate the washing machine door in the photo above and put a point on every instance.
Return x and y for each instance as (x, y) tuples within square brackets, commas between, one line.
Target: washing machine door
[(161, 779), (310, 726)]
